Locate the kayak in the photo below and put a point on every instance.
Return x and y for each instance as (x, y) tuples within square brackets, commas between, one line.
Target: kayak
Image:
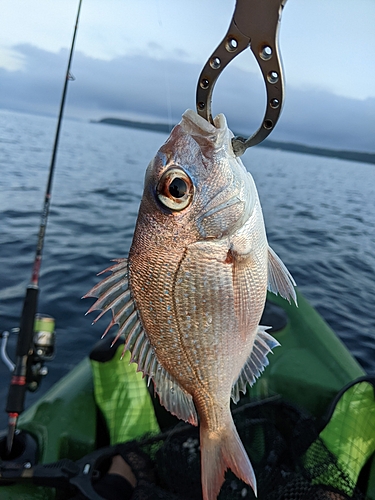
[(308, 370)]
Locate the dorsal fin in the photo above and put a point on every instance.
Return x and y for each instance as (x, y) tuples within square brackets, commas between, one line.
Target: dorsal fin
[(113, 293), (173, 397), (256, 362)]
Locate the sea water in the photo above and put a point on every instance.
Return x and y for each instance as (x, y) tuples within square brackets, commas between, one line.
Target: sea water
[(319, 215)]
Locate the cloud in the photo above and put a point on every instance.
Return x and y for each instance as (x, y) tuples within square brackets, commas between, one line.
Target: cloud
[(145, 88)]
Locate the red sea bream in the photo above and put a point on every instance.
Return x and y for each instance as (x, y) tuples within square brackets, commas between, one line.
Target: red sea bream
[(190, 296)]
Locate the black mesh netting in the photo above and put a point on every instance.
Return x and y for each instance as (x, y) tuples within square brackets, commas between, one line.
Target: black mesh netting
[(289, 459)]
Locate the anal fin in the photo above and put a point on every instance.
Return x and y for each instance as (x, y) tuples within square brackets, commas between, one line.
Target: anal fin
[(256, 362)]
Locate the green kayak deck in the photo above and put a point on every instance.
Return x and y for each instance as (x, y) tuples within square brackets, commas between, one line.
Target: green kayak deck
[(308, 370), (311, 365)]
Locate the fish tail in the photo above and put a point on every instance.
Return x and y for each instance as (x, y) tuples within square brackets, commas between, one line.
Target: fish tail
[(220, 452)]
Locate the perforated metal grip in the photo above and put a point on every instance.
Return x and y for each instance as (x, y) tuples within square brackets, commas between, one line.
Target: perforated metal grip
[(255, 24)]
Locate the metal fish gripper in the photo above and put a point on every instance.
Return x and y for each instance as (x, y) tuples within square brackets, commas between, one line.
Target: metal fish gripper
[(255, 24)]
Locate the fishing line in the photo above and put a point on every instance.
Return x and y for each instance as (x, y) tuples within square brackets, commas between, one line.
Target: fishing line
[(18, 384), (165, 72)]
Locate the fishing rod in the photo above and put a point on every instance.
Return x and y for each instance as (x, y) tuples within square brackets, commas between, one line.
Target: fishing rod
[(19, 380)]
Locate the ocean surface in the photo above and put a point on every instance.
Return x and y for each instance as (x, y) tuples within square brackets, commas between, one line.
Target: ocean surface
[(319, 215)]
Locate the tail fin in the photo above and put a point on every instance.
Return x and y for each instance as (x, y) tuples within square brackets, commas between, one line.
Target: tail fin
[(220, 452)]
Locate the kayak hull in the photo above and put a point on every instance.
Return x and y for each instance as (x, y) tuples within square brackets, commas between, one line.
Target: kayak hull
[(307, 370)]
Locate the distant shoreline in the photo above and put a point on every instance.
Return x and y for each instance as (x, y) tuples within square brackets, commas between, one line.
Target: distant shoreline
[(285, 146)]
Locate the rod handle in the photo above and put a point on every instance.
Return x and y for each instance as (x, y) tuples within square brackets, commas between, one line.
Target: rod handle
[(17, 388)]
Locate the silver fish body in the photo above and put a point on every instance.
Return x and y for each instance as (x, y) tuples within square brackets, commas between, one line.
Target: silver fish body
[(191, 294)]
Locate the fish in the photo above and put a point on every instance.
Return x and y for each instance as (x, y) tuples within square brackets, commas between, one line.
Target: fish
[(190, 295)]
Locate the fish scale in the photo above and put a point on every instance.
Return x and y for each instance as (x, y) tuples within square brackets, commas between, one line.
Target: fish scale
[(214, 298), (156, 305)]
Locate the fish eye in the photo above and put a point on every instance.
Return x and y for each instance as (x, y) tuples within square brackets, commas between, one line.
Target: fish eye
[(175, 189)]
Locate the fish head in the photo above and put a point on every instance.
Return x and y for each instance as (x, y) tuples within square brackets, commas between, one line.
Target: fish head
[(196, 182)]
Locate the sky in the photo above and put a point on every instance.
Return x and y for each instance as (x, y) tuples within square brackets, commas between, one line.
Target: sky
[(141, 60)]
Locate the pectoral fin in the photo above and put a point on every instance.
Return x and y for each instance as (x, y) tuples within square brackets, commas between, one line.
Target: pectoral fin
[(280, 281)]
